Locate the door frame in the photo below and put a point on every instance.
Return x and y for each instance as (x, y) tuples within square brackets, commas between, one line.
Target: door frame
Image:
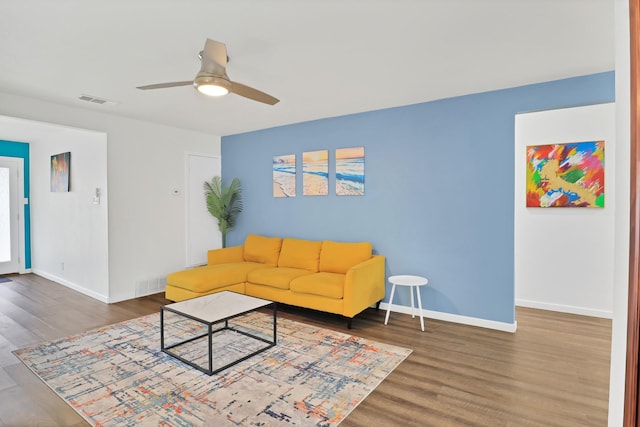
[(20, 202), (633, 316)]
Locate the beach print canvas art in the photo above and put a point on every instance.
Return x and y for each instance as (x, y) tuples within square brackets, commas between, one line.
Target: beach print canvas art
[(315, 173), (60, 170), (350, 171), (284, 176), (566, 175)]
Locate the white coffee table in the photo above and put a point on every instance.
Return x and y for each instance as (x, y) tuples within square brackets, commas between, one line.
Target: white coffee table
[(216, 309), (413, 282)]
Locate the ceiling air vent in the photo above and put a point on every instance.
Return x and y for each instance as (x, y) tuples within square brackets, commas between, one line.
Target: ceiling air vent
[(96, 100)]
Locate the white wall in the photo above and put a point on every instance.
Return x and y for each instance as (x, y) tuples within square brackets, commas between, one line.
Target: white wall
[(202, 228), (145, 162), (621, 278), (69, 234), (146, 222), (564, 256)]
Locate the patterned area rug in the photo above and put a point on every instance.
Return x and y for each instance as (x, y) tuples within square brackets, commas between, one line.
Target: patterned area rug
[(117, 375)]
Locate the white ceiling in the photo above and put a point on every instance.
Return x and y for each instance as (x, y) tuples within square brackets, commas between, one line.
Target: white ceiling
[(321, 58)]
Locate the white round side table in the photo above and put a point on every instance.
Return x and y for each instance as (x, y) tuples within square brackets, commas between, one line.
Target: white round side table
[(413, 282)]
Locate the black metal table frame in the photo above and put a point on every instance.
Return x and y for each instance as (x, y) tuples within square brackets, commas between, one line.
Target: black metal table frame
[(210, 331)]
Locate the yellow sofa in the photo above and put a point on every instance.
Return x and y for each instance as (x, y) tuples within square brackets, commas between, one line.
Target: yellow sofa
[(335, 277)]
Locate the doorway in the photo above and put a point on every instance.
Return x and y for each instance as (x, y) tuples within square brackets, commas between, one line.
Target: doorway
[(11, 171)]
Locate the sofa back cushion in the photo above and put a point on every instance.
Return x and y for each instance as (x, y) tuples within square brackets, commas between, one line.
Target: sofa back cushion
[(262, 249), (338, 257), (297, 253)]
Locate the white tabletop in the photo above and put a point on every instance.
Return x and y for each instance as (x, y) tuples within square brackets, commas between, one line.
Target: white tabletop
[(219, 306), (408, 280)]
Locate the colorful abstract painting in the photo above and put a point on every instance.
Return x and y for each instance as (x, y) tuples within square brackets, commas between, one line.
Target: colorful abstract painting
[(315, 173), (350, 171), (284, 176), (60, 169), (566, 175)]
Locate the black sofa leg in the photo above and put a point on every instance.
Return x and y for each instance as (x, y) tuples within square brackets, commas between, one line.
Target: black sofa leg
[(349, 320), (378, 305)]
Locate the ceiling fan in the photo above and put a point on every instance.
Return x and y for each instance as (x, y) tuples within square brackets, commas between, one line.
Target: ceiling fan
[(212, 79)]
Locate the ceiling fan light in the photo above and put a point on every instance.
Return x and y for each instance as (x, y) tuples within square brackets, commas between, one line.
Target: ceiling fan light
[(212, 85), (213, 90)]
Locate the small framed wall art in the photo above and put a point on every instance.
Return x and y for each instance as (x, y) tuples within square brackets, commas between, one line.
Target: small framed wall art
[(60, 172), (284, 176), (315, 173), (350, 171)]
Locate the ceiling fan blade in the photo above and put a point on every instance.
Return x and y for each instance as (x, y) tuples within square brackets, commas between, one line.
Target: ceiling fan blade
[(163, 85), (251, 93), (214, 58)]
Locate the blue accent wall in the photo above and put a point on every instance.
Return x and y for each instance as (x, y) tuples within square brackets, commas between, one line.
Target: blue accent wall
[(439, 188), (21, 150)]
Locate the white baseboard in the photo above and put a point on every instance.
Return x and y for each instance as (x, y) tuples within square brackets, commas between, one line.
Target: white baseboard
[(119, 298), (456, 318), (75, 287), (123, 297), (584, 311)]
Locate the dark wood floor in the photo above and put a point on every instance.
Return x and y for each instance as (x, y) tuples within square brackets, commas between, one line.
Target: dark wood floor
[(553, 372)]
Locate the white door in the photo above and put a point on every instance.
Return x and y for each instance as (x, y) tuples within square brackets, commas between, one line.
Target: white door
[(9, 215), (202, 229)]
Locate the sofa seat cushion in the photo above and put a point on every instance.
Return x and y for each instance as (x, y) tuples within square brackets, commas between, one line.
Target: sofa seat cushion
[(330, 285), (276, 277), (297, 253), (209, 277)]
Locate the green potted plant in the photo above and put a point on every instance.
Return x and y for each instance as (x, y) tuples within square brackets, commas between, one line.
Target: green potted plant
[(223, 203)]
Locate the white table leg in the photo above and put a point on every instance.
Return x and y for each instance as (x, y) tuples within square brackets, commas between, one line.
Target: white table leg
[(393, 290), (420, 306), (413, 315)]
